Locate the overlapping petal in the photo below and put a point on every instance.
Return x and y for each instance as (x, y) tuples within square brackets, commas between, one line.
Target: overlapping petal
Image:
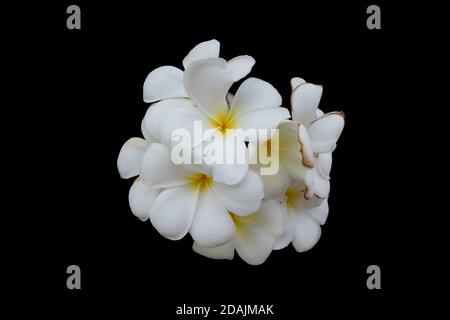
[(305, 100), (244, 197), (325, 131), (141, 199), (164, 83), (173, 211), (207, 83), (206, 49), (212, 225)]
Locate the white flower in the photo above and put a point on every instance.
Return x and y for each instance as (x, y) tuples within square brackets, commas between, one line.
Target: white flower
[(317, 134), (256, 105), (304, 218), (192, 201), (167, 82), (255, 235), (225, 206)]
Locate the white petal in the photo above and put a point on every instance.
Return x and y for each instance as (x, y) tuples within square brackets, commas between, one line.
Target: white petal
[(270, 216), (255, 94), (130, 157), (288, 232), (147, 135), (262, 118), (319, 113), (305, 100), (225, 251), (306, 147), (212, 225), (229, 174), (302, 203), (240, 66), (232, 172), (173, 211), (244, 197), (325, 131), (158, 171), (141, 199), (307, 232), (321, 185), (275, 185), (207, 49), (295, 82), (184, 119), (164, 83), (256, 234), (156, 112), (207, 83), (324, 161), (320, 213)]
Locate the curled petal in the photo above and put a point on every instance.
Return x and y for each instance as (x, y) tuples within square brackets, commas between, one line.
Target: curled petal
[(304, 100), (295, 82), (325, 131), (305, 147), (206, 49), (239, 67), (164, 83), (321, 185), (130, 157)]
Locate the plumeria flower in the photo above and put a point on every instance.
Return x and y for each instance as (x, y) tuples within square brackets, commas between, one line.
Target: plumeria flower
[(140, 197), (167, 81), (255, 235), (305, 144), (318, 132), (256, 105), (303, 218), (192, 201)]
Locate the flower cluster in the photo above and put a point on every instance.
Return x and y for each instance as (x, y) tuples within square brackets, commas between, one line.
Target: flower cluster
[(232, 205)]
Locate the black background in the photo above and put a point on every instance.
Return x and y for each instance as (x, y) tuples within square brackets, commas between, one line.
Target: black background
[(90, 102)]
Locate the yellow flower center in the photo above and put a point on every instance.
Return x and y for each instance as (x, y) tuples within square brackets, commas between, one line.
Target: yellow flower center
[(201, 181), (293, 195), (224, 122)]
